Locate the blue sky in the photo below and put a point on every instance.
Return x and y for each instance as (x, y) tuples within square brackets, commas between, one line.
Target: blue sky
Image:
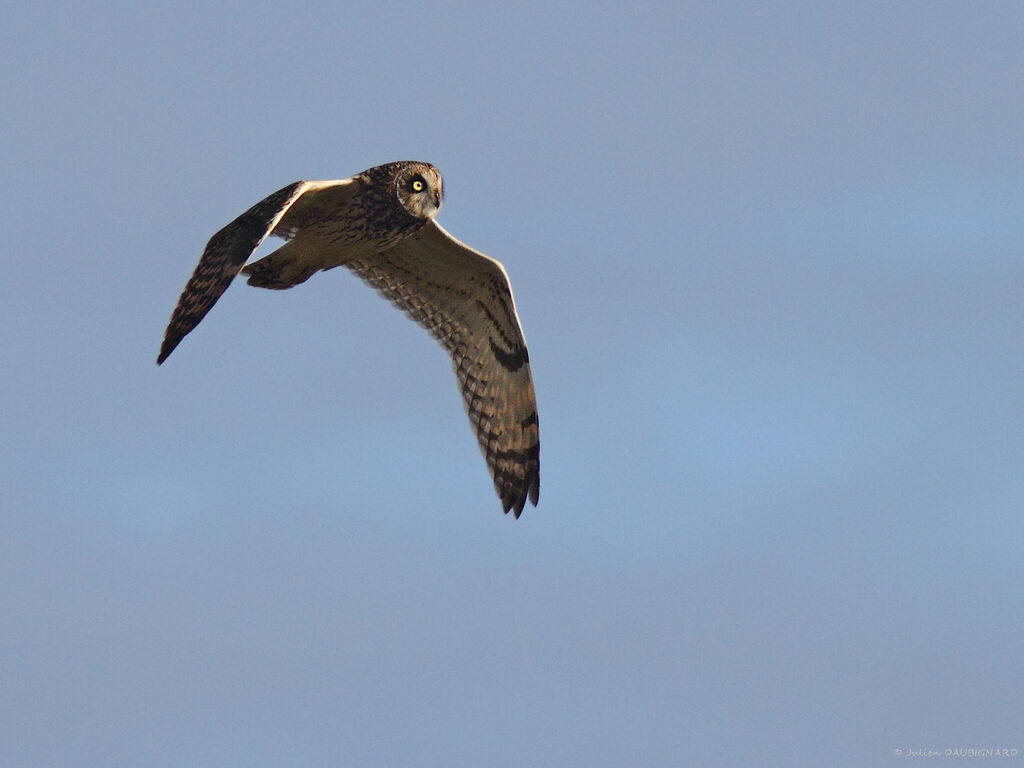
[(768, 261)]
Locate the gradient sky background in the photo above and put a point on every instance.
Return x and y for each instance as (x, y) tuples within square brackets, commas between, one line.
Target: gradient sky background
[(769, 263)]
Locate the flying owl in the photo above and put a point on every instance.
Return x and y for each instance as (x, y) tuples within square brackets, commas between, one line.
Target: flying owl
[(380, 224)]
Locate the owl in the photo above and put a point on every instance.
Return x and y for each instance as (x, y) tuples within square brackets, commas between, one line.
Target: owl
[(380, 225)]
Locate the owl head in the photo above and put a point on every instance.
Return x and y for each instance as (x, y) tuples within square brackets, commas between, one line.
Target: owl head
[(418, 187)]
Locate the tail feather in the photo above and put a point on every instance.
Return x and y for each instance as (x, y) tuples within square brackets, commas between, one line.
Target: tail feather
[(283, 268)]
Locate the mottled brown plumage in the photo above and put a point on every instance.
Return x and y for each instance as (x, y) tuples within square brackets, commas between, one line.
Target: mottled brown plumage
[(380, 224)]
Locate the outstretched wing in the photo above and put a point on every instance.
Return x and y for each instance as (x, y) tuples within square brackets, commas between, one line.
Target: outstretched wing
[(463, 298), (225, 254)]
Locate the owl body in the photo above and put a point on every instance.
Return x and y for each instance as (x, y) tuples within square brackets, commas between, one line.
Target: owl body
[(380, 224), (377, 209)]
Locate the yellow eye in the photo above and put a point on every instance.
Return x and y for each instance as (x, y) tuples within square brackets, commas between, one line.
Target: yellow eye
[(417, 185)]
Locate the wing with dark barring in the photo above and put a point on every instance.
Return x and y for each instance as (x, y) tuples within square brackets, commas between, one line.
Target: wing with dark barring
[(222, 260), (463, 298)]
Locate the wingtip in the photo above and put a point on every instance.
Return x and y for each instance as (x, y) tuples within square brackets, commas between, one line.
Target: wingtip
[(515, 505), (166, 348), (164, 354)]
